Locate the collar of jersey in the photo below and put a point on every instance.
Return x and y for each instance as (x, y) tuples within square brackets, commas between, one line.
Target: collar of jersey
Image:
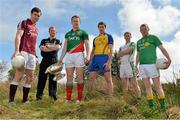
[(103, 34), (51, 39), (29, 20), (75, 31)]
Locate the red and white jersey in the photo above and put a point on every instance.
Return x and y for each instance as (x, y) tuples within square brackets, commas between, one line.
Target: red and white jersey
[(29, 38)]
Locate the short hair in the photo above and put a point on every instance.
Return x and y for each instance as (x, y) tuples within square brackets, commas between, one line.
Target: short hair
[(127, 33), (145, 25), (36, 9), (102, 23), (75, 16), (51, 27)]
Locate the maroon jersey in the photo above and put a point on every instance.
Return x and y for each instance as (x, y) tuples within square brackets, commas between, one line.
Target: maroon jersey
[(28, 40)]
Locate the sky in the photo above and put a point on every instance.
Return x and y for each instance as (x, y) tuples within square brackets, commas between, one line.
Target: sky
[(162, 16)]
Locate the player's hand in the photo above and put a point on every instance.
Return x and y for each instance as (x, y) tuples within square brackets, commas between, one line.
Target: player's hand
[(59, 62), (87, 60), (107, 66), (119, 55), (168, 63), (137, 69), (15, 54), (37, 61)]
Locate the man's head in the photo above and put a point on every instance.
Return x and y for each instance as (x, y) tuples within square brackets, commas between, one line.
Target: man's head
[(52, 31), (127, 36), (144, 29), (35, 14), (75, 20), (101, 27)]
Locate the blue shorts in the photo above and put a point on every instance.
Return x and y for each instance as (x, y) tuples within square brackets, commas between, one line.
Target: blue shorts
[(97, 63)]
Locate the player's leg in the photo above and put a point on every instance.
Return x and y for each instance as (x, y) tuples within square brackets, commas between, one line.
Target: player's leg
[(42, 78), (92, 76), (143, 71), (29, 71), (160, 92), (14, 84), (27, 86), (80, 83), (108, 79), (135, 86)]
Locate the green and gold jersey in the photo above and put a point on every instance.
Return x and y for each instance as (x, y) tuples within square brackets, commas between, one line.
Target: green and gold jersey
[(75, 40), (146, 47)]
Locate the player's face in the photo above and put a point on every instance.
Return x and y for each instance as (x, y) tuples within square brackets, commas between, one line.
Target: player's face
[(75, 22), (52, 32), (127, 37), (35, 16), (101, 29), (144, 30)]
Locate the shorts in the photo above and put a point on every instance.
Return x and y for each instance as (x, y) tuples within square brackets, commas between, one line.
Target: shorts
[(74, 60), (127, 70), (30, 60), (148, 71), (97, 63)]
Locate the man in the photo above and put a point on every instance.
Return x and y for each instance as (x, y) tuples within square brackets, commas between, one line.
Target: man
[(25, 45), (49, 48), (101, 56), (127, 68), (146, 56), (73, 49)]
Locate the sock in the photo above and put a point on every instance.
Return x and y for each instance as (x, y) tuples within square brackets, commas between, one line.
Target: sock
[(69, 87), (150, 101), (26, 89), (80, 87), (12, 90), (162, 101)]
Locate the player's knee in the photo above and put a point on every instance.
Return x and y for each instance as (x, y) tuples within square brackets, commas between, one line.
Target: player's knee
[(91, 78), (69, 77), (79, 77), (30, 77)]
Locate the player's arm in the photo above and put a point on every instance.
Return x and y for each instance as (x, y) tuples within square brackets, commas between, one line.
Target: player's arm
[(45, 48), (88, 52), (137, 58), (110, 54), (55, 47), (92, 53), (18, 37), (165, 53), (125, 52), (64, 50), (137, 62)]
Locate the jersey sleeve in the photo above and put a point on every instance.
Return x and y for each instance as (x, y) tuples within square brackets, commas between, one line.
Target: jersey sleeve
[(137, 48), (157, 41), (42, 43), (110, 39), (133, 45), (93, 42), (85, 35), (58, 42), (66, 35), (21, 25)]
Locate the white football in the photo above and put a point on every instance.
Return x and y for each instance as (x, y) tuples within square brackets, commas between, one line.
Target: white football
[(160, 63), (18, 61)]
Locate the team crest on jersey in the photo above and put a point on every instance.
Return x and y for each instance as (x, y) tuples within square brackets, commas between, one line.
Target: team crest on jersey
[(146, 44), (78, 33)]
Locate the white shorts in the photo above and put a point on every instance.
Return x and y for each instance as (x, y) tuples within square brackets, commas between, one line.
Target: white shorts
[(148, 71), (127, 71), (30, 60), (74, 60)]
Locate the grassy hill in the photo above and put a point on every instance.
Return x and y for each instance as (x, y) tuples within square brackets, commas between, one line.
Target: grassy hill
[(95, 106)]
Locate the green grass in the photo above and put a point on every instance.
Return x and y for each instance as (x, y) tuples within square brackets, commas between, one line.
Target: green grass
[(95, 105)]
